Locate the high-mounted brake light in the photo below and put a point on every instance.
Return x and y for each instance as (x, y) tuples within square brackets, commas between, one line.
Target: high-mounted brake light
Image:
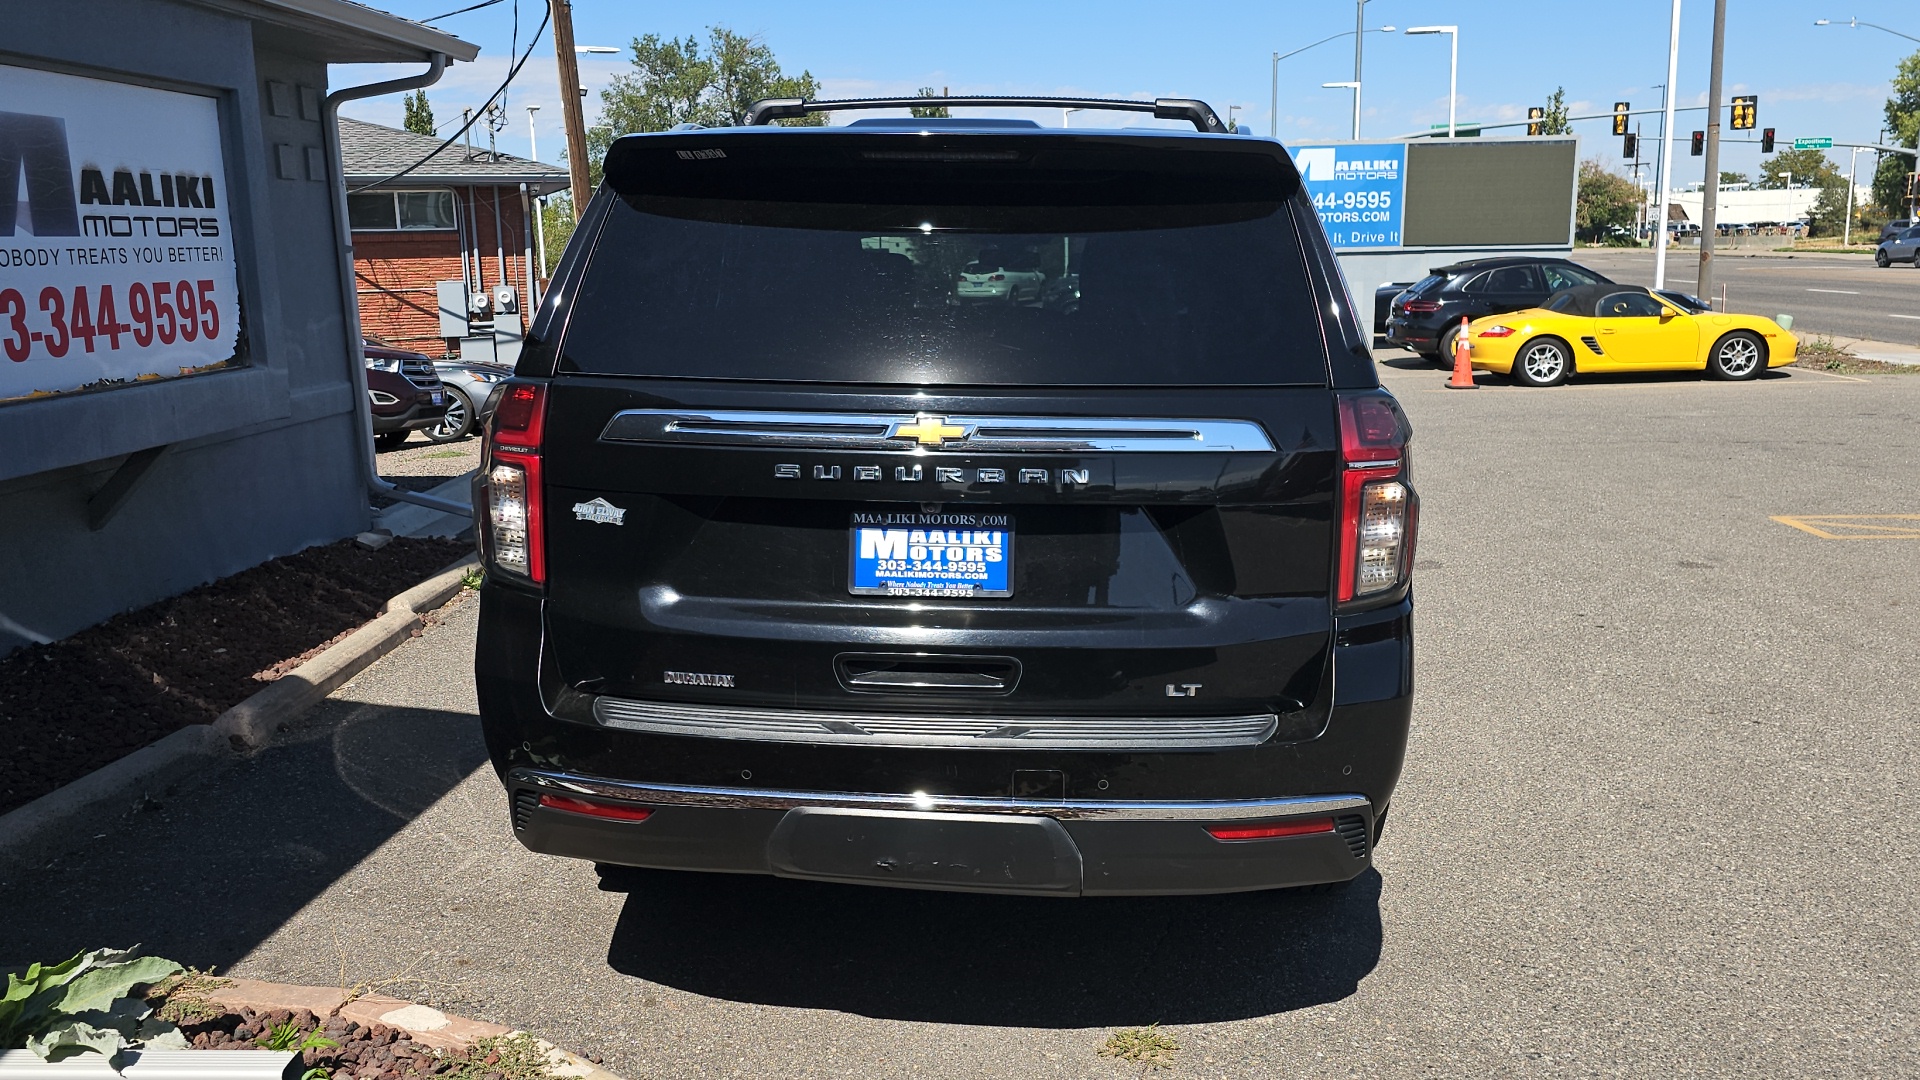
[(1378, 509), (1496, 332), (609, 811), (1267, 832), (516, 531)]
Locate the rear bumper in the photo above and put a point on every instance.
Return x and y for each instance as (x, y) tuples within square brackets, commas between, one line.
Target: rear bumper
[(961, 844), (1408, 336)]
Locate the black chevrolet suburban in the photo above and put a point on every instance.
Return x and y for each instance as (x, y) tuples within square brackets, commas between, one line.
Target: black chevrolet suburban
[(803, 559)]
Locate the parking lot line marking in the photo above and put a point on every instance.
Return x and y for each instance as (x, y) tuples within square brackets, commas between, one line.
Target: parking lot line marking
[(1892, 315), (1828, 374), (1856, 526), (1842, 292)]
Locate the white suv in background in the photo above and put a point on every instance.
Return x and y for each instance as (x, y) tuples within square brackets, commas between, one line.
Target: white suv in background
[(991, 277)]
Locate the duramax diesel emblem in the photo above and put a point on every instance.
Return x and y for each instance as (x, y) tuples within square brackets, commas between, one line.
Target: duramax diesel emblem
[(601, 512)]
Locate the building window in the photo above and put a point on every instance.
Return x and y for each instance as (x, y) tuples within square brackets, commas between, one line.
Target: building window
[(393, 211)]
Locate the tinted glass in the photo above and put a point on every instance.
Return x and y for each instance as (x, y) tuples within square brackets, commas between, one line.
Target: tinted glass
[(371, 210), (1512, 279), (1560, 276), (1430, 283), (1563, 302), (780, 291), (1628, 305)]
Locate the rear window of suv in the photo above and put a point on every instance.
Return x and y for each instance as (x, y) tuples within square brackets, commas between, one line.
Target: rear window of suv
[(855, 267)]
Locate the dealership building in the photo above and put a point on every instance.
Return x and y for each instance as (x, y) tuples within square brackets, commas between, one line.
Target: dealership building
[(181, 395)]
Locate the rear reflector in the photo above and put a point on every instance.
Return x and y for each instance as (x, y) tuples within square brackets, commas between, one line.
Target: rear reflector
[(614, 813), (1307, 827)]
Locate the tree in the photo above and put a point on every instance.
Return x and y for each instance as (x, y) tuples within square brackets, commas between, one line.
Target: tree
[(1903, 127), (678, 82), (929, 112), (1732, 178), (1606, 199), (1810, 168), (556, 219), (419, 119), (1555, 121)]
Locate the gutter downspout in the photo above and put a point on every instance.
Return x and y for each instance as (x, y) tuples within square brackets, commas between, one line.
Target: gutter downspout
[(349, 294)]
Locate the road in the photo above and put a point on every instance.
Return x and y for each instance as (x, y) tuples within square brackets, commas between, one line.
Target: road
[(1834, 295), (1658, 817)]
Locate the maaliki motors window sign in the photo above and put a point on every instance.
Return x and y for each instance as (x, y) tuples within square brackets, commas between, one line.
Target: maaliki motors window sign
[(116, 243), (1358, 190)]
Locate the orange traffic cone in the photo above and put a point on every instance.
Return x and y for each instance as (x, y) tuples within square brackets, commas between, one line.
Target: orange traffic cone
[(1462, 361)]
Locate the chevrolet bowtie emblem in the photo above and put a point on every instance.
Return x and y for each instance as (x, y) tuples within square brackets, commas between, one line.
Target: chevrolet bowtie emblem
[(929, 430)]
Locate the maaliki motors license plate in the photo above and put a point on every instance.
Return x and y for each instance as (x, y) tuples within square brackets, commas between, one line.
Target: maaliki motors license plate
[(958, 554)]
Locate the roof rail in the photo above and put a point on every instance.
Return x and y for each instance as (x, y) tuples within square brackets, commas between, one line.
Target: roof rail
[(1193, 110)]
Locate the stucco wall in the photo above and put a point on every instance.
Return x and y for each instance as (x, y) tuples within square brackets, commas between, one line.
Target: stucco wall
[(262, 460)]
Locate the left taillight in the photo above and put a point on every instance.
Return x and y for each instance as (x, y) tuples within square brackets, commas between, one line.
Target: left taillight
[(516, 531), (1379, 511)]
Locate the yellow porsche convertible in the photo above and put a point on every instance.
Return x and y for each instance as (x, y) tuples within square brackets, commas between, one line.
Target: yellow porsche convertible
[(1594, 328)]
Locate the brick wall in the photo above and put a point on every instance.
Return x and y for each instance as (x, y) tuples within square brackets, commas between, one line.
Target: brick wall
[(396, 272)]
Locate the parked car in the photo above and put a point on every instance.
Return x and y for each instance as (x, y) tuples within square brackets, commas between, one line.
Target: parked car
[(1426, 317), (1062, 294), (828, 584), (405, 392), (1625, 328), (993, 277), (470, 387), (1894, 228), (1903, 246)]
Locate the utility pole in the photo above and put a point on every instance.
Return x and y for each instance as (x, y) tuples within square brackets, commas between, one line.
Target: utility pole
[(1709, 204), (1359, 42), (1666, 164), (582, 182)]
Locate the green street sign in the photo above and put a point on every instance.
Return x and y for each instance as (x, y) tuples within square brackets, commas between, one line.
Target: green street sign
[(1813, 144)]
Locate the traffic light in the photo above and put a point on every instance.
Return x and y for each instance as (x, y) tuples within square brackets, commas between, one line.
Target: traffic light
[(1912, 179), (1746, 110), (1534, 116), (1630, 146), (1766, 141), (1620, 110), (1699, 143)]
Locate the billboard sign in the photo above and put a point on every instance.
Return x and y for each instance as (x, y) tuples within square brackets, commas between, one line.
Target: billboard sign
[(116, 237), (1358, 190)]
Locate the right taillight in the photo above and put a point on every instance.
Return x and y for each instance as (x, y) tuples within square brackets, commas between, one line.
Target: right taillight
[(1379, 511), (516, 533)]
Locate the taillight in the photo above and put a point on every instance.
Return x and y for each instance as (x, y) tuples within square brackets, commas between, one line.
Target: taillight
[(1496, 332), (516, 532), (1267, 832), (599, 810), (1379, 511), (1420, 307), (998, 277)]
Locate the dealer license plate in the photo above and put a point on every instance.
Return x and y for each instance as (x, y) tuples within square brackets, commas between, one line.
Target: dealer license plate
[(958, 553)]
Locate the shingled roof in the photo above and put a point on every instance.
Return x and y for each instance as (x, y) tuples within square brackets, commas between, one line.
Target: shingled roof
[(372, 152)]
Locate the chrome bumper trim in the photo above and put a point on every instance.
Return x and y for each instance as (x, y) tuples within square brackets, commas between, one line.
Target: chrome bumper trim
[(954, 731), (762, 799), (973, 434)]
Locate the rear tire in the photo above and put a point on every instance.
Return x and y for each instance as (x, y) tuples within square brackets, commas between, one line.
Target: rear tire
[(1542, 362), (1737, 357), (1880, 259), (1445, 356)]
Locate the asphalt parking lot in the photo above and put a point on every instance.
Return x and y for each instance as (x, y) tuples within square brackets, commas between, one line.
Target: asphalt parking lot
[(1658, 817)]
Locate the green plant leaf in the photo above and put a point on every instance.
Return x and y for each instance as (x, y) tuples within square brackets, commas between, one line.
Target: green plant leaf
[(75, 1037), (100, 986), (160, 1035)]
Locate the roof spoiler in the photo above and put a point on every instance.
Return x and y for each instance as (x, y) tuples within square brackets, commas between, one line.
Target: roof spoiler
[(1193, 110)]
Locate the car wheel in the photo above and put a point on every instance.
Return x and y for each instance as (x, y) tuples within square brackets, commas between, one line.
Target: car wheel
[(457, 423), (1542, 362), (1431, 358), (1739, 355), (1880, 259), (391, 440), (1445, 356)]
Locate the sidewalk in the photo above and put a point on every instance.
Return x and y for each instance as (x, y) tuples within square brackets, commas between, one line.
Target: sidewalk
[(1887, 352)]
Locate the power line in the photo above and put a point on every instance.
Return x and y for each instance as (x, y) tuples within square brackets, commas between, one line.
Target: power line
[(463, 11), (470, 119)]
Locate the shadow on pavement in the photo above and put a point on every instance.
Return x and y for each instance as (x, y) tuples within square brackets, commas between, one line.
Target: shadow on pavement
[(1009, 961), (204, 875)]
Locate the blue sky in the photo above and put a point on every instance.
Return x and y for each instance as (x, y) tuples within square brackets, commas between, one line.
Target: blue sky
[(1812, 81)]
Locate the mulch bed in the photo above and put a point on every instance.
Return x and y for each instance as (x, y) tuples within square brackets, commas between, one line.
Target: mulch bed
[(72, 706), (361, 1051)]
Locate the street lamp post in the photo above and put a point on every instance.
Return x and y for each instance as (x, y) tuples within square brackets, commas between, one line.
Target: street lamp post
[(1666, 164), (1856, 24), (1273, 121), (539, 219), (1453, 69), (1846, 228), (1355, 87)]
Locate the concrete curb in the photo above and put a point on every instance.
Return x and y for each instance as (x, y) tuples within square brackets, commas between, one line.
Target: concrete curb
[(32, 832), (426, 1025)]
